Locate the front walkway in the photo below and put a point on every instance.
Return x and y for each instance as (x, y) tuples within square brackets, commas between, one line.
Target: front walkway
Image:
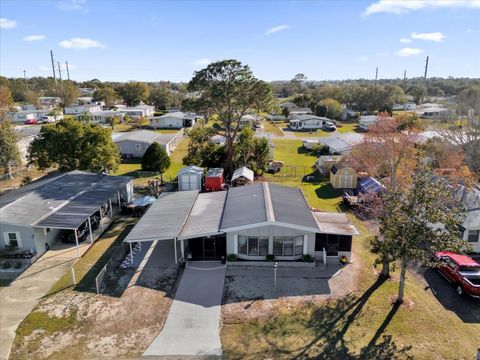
[(192, 326), (20, 297)]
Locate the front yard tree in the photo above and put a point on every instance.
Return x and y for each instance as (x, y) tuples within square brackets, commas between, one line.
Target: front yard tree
[(230, 90), (133, 93), (286, 112), (161, 98), (107, 95), (69, 93), (71, 145), (155, 159), (9, 152), (410, 227)]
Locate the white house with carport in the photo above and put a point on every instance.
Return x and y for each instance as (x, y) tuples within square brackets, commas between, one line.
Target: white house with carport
[(106, 116), (336, 145), (251, 222), (138, 111), (82, 109), (135, 143), (33, 216), (174, 120), (309, 122)]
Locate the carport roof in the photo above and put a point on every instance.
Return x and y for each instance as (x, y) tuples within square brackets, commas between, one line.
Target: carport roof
[(165, 218), (335, 223)]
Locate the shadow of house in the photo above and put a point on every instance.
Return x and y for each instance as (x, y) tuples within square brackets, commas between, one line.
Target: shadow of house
[(326, 191), (466, 308)]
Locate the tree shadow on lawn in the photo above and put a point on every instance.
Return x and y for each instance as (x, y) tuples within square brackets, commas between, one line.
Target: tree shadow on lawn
[(304, 151), (330, 323), (326, 191)]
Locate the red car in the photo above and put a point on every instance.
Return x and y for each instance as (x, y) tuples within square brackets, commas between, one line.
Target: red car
[(31, 121), (460, 270)]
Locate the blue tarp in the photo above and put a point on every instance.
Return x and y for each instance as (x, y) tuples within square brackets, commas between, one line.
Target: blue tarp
[(369, 185), (144, 201)]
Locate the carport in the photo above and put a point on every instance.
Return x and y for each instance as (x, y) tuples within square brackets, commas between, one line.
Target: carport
[(78, 210)]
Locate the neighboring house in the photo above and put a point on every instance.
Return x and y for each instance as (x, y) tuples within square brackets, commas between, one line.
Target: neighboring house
[(433, 111), (82, 109), (135, 143), (250, 222), (174, 120), (409, 106), (308, 122), (343, 176), (469, 200), (275, 117), (367, 121), (138, 111), (33, 216), (105, 116), (249, 120), (24, 115), (190, 178), (49, 100), (299, 111), (87, 91), (325, 163), (242, 176), (336, 145), (29, 107)]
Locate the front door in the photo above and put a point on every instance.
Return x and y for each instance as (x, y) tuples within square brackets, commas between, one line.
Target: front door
[(209, 248)]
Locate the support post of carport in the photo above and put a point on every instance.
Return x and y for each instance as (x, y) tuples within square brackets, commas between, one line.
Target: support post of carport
[(131, 253), (118, 197), (76, 241), (90, 230), (182, 249), (111, 209), (175, 248)]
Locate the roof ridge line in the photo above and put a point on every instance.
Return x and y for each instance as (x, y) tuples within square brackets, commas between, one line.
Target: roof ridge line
[(268, 202), (186, 217)]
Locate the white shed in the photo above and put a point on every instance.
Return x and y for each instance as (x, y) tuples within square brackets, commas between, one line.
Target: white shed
[(242, 176), (190, 178)]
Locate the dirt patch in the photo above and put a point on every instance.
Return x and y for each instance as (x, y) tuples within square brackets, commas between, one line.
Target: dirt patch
[(106, 326)]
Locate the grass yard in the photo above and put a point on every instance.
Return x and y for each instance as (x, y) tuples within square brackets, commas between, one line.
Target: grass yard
[(122, 127), (363, 325), (167, 131), (272, 129), (347, 127)]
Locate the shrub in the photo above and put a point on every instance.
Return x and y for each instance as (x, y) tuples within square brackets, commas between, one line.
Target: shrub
[(307, 258), (6, 265), (18, 265), (270, 257), (231, 258)]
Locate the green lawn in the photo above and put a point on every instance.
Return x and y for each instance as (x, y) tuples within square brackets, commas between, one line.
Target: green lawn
[(347, 127), (271, 128), (167, 131)]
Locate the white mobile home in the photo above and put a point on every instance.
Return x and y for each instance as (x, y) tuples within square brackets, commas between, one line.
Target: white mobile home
[(174, 120), (139, 111), (135, 143), (82, 109), (309, 122)]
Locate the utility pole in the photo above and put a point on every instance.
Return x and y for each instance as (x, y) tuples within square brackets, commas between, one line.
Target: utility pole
[(426, 70), (59, 72), (25, 77), (376, 76), (405, 79), (54, 77), (68, 72)]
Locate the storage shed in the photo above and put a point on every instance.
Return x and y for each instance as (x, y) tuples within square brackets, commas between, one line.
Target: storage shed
[(242, 176), (214, 179), (325, 162), (342, 176), (190, 178)]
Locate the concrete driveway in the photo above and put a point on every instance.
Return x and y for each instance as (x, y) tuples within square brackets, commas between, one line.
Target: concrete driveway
[(20, 297), (192, 325)]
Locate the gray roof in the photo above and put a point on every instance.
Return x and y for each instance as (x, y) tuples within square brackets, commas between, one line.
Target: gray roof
[(470, 201), (245, 205), (143, 136), (51, 196), (305, 117), (335, 143), (335, 223), (165, 218), (206, 215)]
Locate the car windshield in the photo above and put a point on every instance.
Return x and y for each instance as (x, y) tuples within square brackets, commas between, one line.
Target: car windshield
[(469, 268)]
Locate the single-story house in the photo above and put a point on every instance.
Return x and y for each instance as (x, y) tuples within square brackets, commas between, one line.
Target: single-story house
[(469, 199), (49, 100), (250, 222), (336, 145), (367, 121), (138, 111), (409, 106), (309, 122), (24, 115), (325, 163), (105, 116), (299, 111), (174, 120), (34, 216), (190, 178), (343, 176), (135, 143), (82, 109), (242, 176), (249, 120)]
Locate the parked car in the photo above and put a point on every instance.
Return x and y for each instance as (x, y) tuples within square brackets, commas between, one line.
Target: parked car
[(460, 270), (328, 126), (274, 167), (31, 121)]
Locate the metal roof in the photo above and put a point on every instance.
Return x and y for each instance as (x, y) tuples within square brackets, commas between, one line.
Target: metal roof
[(335, 143), (192, 169), (290, 207), (245, 205), (206, 215), (335, 223), (243, 172), (165, 218), (145, 136)]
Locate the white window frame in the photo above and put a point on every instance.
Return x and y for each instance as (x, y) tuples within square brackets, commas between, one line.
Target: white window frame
[(17, 236), (138, 147)]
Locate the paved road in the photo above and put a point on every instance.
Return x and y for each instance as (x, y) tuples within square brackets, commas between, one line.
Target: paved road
[(23, 294), (192, 325)]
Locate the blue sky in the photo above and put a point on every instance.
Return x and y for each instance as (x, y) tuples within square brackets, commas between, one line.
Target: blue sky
[(169, 40)]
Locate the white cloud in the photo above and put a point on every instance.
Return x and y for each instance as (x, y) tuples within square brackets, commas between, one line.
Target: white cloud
[(202, 62), (406, 6), (405, 40), (362, 58), (433, 36), (72, 5), (408, 52), (7, 23), (382, 53), (34, 38), (80, 44), (277, 29)]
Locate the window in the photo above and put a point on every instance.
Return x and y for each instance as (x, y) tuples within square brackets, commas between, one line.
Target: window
[(278, 246), (242, 245), (253, 246), (263, 246), (473, 235), (299, 245), (13, 239), (138, 147), (288, 246), (345, 243)]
